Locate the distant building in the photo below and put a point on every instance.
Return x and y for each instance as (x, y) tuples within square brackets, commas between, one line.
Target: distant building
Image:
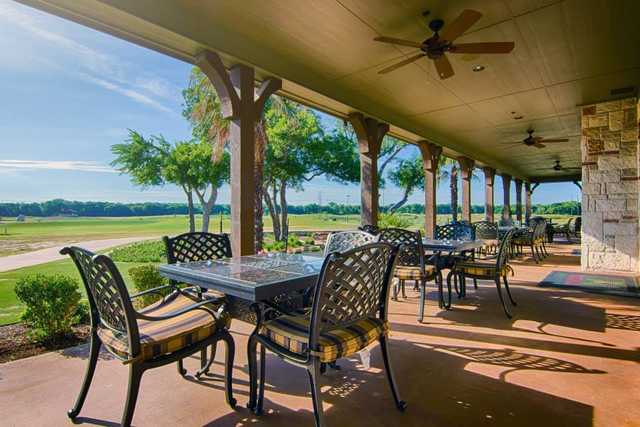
[(21, 218)]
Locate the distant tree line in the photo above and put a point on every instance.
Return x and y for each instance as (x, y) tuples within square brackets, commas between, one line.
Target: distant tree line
[(60, 207)]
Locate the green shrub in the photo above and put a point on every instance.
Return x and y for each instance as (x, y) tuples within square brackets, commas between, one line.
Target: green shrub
[(386, 220), (51, 303), (83, 313), (147, 277), (147, 251), (309, 241), (274, 246), (294, 242)]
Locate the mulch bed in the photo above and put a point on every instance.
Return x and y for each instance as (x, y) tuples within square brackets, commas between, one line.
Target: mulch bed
[(15, 343)]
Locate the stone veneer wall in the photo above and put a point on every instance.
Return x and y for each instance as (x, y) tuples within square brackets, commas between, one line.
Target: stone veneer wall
[(610, 188)]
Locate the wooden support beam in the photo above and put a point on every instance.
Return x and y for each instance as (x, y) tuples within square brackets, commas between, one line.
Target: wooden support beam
[(489, 176), (370, 133), (430, 157), (506, 196), (518, 200), (243, 107), (466, 169), (527, 201)]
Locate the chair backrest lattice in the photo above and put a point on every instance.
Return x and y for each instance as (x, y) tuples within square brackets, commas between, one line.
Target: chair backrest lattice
[(345, 240), (198, 246), (486, 230), (504, 249), (107, 294), (411, 250), (353, 285), (369, 228), (454, 231)]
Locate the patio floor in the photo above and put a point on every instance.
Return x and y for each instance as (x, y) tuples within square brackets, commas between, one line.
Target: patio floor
[(567, 358)]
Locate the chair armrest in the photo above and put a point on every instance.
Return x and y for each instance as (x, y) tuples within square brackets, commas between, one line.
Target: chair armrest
[(155, 290), (197, 306)]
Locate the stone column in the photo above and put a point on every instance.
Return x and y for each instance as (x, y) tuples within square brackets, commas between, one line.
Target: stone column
[(527, 201), (489, 175), (369, 133), (243, 106), (518, 200), (466, 169), (430, 157), (506, 196), (610, 189)]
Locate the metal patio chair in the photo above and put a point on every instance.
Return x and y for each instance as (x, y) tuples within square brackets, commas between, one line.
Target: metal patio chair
[(349, 313), (343, 241), (176, 327), (487, 231), (198, 246), (533, 239), (369, 228), (487, 269), (412, 264)]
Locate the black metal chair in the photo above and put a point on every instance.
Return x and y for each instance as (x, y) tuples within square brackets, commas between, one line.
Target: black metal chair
[(176, 327), (486, 269), (342, 241), (487, 231), (454, 231), (369, 228), (198, 246), (534, 239), (413, 265), (349, 313)]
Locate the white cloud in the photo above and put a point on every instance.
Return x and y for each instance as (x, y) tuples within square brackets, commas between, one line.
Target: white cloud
[(65, 165), (104, 70)]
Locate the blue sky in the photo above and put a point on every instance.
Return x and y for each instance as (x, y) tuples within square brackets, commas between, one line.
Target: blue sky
[(69, 93)]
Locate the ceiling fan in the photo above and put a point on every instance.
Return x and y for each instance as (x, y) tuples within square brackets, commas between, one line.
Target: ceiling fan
[(438, 44), (558, 168), (537, 141)]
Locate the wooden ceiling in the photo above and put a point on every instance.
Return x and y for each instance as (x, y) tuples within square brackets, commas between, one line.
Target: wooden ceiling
[(568, 53)]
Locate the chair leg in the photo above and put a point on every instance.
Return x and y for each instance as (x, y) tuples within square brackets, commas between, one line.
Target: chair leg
[(423, 293), (135, 375), (181, 369), (475, 283), (447, 304), (504, 307), (94, 352), (228, 367), (205, 364), (260, 402), (395, 289), (533, 254), (404, 294), (252, 348), (384, 347), (506, 286), (313, 371)]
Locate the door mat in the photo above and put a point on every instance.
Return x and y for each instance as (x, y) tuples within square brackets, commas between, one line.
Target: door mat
[(597, 283)]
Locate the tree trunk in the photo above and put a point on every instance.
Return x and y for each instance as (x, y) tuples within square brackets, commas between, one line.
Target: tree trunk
[(261, 143), (400, 203), (207, 206), (284, 221), (454, 193), (273, 211), (192, 219)]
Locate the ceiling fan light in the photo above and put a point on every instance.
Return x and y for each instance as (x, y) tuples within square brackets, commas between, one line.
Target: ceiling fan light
[(477, 68)]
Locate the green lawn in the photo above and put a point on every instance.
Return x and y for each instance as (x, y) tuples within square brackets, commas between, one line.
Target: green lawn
[(10, 307)]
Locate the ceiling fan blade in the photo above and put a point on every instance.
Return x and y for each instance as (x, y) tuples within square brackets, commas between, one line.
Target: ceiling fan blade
[(538, 144), (402, 63), (444, 68), (554, 140), (489, 47), (459, 25), (398, 41)]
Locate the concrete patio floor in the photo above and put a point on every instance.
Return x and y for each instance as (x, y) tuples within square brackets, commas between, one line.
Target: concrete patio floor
[(567, 358)]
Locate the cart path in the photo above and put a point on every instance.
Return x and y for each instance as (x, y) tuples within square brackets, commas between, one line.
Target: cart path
[(42, 256)]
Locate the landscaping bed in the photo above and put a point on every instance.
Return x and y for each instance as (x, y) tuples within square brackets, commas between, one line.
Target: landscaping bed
[(15, 342)]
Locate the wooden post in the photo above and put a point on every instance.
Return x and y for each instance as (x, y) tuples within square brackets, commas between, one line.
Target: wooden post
[(466, 167), (241, 104), (519, 200), (527, 201), (369, 133), (430, 157), (489, 175), (506, 204)]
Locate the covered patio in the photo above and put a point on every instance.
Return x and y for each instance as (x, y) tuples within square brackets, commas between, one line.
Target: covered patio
[(569, 358), (566, 358)]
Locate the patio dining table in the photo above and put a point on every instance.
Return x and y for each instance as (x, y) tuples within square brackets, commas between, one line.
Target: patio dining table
[(458, 246), (253, 285)]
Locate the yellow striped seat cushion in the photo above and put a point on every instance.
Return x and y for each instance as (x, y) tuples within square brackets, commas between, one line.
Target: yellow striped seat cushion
[(160, 337), (403, 272), (479, 268), (292, 333)]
